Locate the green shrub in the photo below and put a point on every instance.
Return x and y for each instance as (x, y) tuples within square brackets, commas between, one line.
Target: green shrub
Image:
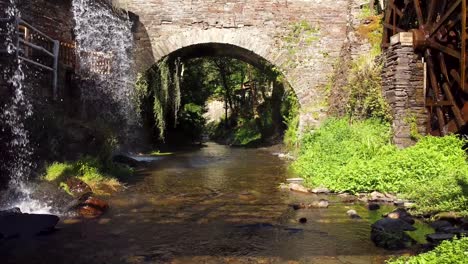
[(359, 157), (56, 171), (448, 252), (247, 132)]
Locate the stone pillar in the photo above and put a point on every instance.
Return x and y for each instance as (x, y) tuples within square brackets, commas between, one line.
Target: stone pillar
[(403, 88)]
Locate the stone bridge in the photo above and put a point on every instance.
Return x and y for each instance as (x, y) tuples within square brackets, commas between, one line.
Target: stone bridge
[(300, 38)]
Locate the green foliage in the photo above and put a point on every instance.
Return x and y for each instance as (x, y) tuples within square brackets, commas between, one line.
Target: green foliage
[(246, 133), (191, 121), (56, 171), (90, 170), (358, 157), (300, 33), (365, 88), (448, 252), (290, 113)]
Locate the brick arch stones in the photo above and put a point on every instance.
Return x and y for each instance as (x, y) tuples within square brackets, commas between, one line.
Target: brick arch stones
[(252, 30)]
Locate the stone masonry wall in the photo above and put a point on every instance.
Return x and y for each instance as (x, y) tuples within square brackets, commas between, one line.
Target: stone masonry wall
[(403, 87), (53, 17), (260, 27)]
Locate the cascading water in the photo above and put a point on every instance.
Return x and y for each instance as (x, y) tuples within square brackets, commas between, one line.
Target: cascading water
[(15, 112), (104, 46)]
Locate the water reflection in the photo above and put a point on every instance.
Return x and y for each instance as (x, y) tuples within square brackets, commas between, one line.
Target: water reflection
[(213, 205)]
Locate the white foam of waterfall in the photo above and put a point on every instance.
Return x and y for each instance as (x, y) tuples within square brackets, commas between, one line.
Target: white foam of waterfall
[(14, 115), (104, 46)]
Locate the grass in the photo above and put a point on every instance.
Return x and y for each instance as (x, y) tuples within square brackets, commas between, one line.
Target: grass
[(448, 252), (102, 178), (359, 157), (158, 153)]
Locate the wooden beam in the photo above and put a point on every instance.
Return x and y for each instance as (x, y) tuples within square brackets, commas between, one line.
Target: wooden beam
[(445, 17)]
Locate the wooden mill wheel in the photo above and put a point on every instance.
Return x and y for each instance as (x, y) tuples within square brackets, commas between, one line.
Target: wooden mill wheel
[(439, 30)]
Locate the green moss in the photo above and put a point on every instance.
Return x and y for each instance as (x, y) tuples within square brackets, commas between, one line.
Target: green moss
[(90, 170), (448, 252)]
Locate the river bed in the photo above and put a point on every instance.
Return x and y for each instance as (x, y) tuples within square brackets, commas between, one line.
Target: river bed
[(210, 205)]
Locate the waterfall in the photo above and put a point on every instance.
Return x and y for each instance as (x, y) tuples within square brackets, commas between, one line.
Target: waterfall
[(18, 163), (104, 46)]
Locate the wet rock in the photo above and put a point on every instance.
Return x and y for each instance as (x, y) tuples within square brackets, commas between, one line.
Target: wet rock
[(11, 211), (353, 214), (322, 203), (376, 195), (408, 204), (440, 224), (380, 197), (373, 206), (464, 223), (439, 237), (92, 207), (296, 206), (347, 198), (16, 224), (126, 160), (320, 190), (402, 214), (399, 202), (451, 217), (303, 220), (78, 187), (298, 188), (390, 233)]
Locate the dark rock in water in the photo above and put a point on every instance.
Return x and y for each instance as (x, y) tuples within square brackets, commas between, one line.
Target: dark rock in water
[(126, 160), (292, 230), (78, 187), (440, 224), (22, 225), (390, 233), (373, 206), (450, 230), (439, 237), (11, 211), (402, 214), (303, 220), (298, 206)]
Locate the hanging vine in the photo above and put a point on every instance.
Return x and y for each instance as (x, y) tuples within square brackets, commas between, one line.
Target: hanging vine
[(176, 96), (162, 83)]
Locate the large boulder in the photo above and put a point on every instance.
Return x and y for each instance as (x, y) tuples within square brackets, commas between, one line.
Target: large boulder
[(13, 223), (390, 233)]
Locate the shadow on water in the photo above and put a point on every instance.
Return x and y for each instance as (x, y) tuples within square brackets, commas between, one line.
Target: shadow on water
[(212, 205)]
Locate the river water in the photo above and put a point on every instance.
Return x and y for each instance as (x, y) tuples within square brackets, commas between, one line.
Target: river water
[(210, 205)]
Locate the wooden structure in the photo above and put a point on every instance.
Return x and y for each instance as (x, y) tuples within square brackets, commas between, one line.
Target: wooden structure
[(439, 29), (31, 46)]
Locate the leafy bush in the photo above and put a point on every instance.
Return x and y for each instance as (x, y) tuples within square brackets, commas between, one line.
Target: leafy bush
[(290, 113), (359, 157), (246, 133), (56, 171), (448, 252)]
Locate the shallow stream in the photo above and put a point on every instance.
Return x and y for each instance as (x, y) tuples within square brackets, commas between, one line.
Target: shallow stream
[(211, 205)]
